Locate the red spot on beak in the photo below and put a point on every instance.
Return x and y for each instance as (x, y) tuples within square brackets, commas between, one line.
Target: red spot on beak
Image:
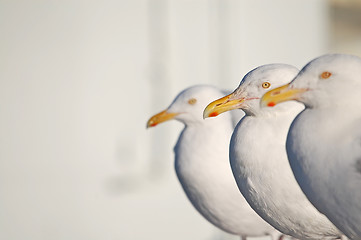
[(213, 114), (271, 104), (153, 124)]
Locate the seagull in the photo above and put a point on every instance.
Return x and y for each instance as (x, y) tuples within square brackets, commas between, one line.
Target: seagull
[(202, 165), (324, 141), (259, 160)]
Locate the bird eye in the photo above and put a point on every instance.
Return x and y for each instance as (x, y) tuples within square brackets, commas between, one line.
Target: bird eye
[(266, 85), (192, 101), (325, 75)]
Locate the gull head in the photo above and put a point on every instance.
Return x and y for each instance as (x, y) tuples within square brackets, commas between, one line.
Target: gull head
[(327, 81), (188, 106), (250, 90)]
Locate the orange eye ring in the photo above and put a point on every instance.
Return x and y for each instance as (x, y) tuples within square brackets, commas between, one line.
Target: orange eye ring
[(266, 85), (192, 101), (325, 75)]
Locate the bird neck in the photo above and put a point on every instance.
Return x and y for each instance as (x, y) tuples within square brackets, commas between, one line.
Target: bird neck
[(286, 109)]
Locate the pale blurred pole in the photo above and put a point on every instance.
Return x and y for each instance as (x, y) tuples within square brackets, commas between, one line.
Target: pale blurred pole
[(159, 84), (283, 31), (218, 41)]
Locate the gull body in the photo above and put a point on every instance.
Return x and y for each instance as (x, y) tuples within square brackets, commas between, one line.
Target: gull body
[(324, 141), (202, 165), (259, 160)]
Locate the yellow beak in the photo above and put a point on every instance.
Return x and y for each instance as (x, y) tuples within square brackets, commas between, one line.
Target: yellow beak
[(160, 117), (222, 105), (281, 94)]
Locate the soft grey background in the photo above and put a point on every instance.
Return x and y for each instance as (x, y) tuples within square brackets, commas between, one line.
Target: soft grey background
[(79, 80)]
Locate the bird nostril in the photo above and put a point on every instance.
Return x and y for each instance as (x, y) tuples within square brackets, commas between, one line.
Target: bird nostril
[(275, 93), (222, 103)]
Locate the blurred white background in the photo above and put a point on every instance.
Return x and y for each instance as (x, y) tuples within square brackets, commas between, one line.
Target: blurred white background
[(79, 80)]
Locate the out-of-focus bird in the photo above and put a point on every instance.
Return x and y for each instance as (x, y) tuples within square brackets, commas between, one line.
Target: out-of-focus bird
[(324, 141), (202, 165), (259, 159)]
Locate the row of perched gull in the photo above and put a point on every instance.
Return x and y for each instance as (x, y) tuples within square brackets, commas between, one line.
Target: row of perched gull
[(291, 166)]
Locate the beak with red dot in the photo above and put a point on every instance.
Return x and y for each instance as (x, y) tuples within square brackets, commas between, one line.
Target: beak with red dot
[(160, 117), (222, 105), (286, 93)]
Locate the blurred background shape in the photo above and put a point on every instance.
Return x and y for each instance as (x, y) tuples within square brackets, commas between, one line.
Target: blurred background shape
[(79, 80)]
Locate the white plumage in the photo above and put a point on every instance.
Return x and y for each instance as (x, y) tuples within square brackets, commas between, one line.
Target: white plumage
[(202, 165), (259, 159), (324, 141)]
